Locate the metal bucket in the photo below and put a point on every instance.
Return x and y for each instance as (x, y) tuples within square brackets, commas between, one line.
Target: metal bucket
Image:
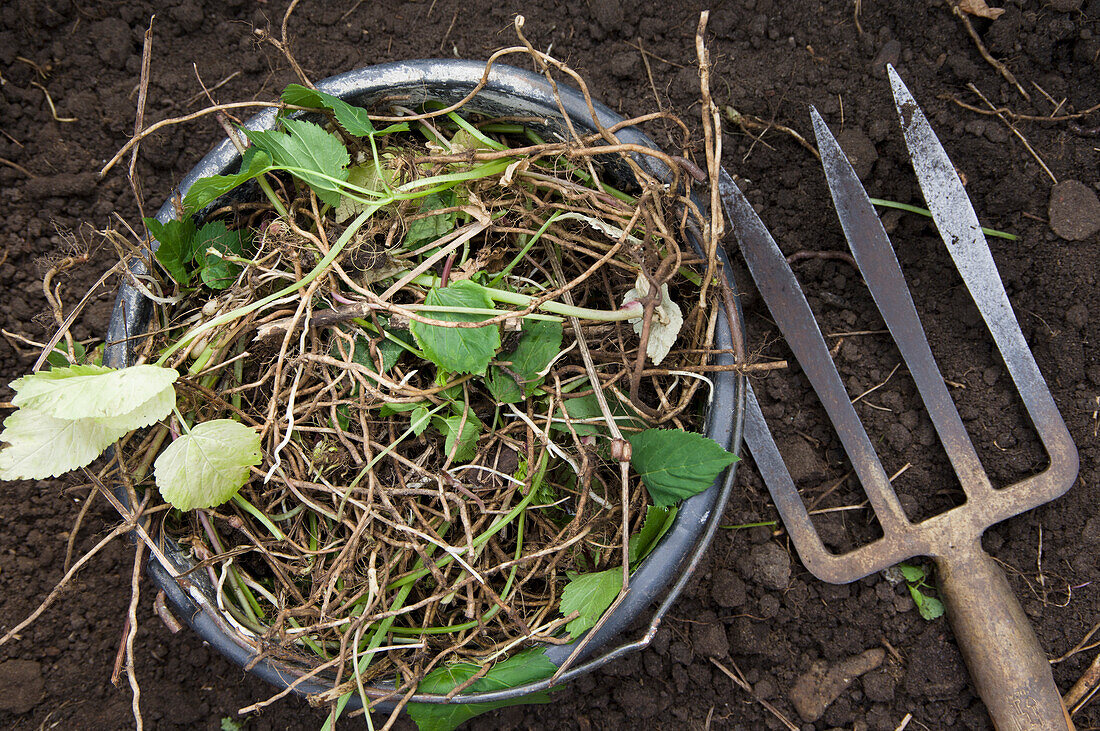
[(663, 574)]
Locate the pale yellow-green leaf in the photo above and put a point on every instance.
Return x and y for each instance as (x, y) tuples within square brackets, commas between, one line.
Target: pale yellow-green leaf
[(208, 465), (150, 412), (41, 446), (91, 391)]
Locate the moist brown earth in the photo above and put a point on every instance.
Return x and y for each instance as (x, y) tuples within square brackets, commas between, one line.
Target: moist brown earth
[(751, 605)]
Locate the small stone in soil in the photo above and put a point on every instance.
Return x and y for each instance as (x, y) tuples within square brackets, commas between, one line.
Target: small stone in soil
[(23, 685), (1074, 210), (821, 684)]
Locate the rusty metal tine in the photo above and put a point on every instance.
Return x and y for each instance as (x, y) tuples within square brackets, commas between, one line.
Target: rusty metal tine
[(962, 234), (787, 304), (880, 269)]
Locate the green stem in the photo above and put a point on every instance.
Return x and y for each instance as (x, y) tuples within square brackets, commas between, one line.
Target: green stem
[(558, 308), (270, 193), (492, 611), (523, 252), (376, 641), (927, 213), (481, 539), (475, 132), (370, 465), (259, 515), (289, 289), (761, 524)]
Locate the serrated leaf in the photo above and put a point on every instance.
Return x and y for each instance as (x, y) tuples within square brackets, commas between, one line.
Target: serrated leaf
[(150, 412), (217, 273), (591, 595), (208, 465), (537, 346), (419, 420), (312, 150), (520, 669), (657, 522), (675, 464), (353, 119), (466, 439), (41, 446), (206, 190), (458, 350), (175, 250), (91, 391), (365, 176), (931, 608), (430, 228)]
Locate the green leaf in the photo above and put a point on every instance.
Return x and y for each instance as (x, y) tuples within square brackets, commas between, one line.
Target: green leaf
[(353, 119), (91, 391), (466, 439), (206, 190), (657, 522), (586, 409), (675, 464), (41, 446), (150, 412), (217, 273), (430, 228), (912, 574), (931, 608), (522, 668), (175, 250), (59, 356), (591, 595), (399, 407), (537, 346), (459, 350), (309, 147), (365, 176), (503, 387), (419, 419), (390, 352), (208, 465)]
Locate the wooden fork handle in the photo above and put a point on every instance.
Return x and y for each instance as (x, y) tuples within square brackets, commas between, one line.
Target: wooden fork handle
[(1006, 661)]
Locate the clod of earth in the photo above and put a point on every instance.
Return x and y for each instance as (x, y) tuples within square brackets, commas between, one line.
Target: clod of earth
[(23, 685), (1074, 210), (771, 566), (821, 684)]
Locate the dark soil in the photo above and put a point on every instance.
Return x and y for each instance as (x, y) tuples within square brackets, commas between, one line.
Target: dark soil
[(751, 604)]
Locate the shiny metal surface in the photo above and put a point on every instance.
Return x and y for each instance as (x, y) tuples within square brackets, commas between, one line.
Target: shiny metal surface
[(1007, 663)]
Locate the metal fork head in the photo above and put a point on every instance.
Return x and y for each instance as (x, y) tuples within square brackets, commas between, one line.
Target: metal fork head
[(871, 248)]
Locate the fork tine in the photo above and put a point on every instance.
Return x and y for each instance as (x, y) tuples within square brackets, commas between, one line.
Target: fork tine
[(822, 563), (958, 225), (877, 262), (787, 304)]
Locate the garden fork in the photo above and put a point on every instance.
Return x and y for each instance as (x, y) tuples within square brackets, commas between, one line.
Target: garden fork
[(1006, 662)]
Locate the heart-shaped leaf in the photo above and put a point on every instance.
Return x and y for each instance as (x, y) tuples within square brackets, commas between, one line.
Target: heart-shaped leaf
[(208, 465)]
